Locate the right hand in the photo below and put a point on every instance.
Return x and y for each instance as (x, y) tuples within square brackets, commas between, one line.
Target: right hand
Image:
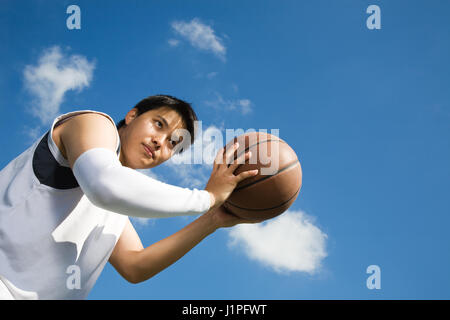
[(223, 180), (223, 218)]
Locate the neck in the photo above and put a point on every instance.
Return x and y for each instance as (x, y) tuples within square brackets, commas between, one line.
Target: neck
[(121, 158)]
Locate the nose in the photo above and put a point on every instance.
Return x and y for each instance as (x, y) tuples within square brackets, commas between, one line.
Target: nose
[(158, 141)]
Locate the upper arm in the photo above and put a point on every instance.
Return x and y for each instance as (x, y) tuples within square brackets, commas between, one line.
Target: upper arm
[(124, 255), (87, 131)]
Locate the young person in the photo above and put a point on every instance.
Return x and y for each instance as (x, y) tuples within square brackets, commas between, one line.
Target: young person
[(65, 201)]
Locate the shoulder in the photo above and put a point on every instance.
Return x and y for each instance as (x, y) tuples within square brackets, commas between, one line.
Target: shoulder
[(88, 122), (91, 116), (88, 119), (86, 131)]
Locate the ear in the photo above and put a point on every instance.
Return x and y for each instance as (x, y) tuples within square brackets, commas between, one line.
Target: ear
[(131, 115)]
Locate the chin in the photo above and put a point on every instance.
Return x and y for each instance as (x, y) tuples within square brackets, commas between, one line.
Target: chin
[(146, 165), (136, 164), (152, 165)]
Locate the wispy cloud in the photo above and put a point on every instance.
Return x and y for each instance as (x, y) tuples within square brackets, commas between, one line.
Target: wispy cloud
[(150, 173), (190, 175), (200, 36), (173, 42), (143, 222), (32, 133), (50, 79), (244, 106), (288, 243), (211, 75)]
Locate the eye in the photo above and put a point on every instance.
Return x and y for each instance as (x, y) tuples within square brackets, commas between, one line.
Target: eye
[(159, 123)]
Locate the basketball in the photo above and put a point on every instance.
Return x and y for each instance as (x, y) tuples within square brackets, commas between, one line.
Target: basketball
[(276, 186)]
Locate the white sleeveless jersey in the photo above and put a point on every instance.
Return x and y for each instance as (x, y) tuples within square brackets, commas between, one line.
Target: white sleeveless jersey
[(54, 242)]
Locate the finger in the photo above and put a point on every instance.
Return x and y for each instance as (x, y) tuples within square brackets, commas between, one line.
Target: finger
[(246, 174), (240, 160), (243, 220), (219, 157), (229, 153), (248, 221), (252, 221)]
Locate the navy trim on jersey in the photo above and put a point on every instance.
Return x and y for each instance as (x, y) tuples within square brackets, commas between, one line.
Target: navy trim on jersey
[(49, 171)]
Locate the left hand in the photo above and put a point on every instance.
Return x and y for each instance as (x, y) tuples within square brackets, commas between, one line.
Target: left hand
[(224, 219), (222, 181)]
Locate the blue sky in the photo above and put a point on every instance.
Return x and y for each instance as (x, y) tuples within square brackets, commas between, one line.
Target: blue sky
[(367, 112)]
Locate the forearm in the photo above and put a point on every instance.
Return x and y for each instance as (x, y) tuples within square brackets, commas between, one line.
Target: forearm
[(111, 186), (164, 253)]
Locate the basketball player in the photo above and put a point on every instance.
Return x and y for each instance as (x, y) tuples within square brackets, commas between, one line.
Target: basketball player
[(65, 201)]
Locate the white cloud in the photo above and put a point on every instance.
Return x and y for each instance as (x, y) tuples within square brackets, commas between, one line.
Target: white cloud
[(150, 173), (173, 42), (32, 133), (200, 36), (50, 79), (244, 106), (211, 75), (287, 243), (143, 222), (189, 175)]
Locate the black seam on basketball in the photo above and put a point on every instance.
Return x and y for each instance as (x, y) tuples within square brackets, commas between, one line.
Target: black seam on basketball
[(265, 209), (246, 149), (268, 176)]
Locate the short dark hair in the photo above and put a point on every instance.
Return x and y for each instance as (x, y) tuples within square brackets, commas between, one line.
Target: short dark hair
[(183, 108)]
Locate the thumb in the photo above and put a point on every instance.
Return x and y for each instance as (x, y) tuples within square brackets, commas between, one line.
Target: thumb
[(246, 174)]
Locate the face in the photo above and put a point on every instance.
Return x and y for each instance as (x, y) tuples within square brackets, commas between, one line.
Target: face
[(151, 131)]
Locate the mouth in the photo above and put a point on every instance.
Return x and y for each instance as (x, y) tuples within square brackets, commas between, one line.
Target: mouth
[(149, 151)]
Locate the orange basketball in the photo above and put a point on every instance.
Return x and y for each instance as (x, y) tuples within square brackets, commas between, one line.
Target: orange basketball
[(277, 184)]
